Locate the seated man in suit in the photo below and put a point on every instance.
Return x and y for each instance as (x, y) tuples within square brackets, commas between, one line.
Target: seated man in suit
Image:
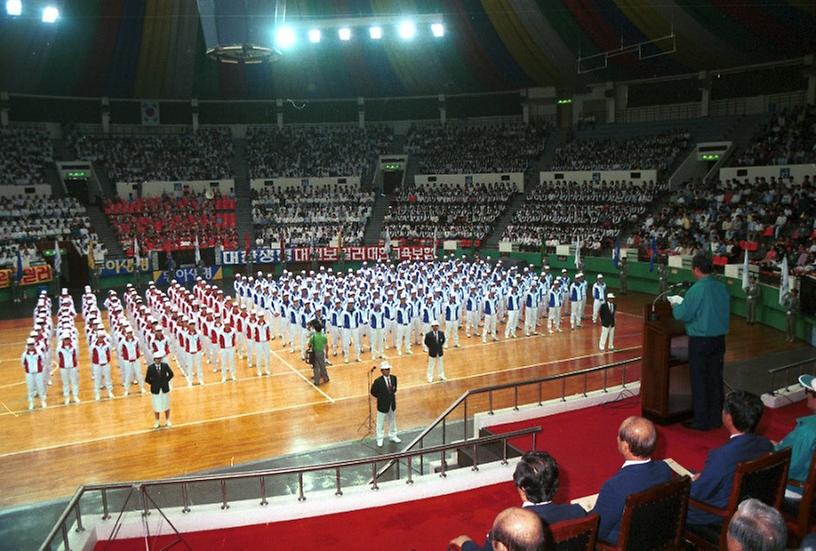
[(536, 479), (801, 440), (757, 526), (513, 529), (741, 413), (637, 438)]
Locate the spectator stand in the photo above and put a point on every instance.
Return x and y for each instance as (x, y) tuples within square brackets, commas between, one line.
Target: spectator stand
[(25, 152), (788, 138)]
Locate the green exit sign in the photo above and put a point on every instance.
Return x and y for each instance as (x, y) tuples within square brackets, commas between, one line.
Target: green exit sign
[(711, 157), (392, 166), (76, 174)]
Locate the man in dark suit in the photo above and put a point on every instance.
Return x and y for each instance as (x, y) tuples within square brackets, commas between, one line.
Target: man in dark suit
[(607, 313), (513, 528), (741, 414), (384, 389), (637, 438), (536, 478), (435, 343), (158, 377)]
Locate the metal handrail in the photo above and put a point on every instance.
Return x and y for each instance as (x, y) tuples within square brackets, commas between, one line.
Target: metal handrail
[(60, 527), (442, 418), (774, 370)]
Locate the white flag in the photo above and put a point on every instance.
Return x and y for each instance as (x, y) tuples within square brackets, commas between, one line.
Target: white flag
[(150, 113), (136, 256), (57, 258), (434, 241), (387, 243), (745, 282), (197, 251), (578, 253), (784, 283)]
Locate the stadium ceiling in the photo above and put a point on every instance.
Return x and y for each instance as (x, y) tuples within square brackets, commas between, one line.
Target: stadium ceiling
[(158, 48)]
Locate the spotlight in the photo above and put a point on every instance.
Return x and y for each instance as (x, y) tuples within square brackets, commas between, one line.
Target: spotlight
[(344, 33), (407, 30), (50, 14), (375, 32), (14, 7), (285, 37), (438, 30), (314, 36)]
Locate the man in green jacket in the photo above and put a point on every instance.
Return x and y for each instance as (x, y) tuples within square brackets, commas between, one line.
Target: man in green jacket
[(705, 311), (801, 440)]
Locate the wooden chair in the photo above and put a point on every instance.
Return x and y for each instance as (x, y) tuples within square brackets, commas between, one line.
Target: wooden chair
[(799, 515), (575, 535), (763, 479), (654, 519)]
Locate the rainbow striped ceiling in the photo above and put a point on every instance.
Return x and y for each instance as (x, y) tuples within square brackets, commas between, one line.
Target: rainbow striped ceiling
[(155, 48)]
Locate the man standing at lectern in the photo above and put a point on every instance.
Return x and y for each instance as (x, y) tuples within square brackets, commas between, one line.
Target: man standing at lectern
[(705, 312)]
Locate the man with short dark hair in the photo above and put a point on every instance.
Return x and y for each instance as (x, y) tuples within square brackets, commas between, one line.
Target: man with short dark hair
[(756, 527), (705, 312), (514, 529), (637, 438), (741, 414), (536, 479)]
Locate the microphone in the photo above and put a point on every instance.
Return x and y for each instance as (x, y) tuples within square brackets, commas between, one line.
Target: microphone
[(674, 286)]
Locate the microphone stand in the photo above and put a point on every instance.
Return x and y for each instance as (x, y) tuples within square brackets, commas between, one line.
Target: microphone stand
[(368, 419), (653, 316)]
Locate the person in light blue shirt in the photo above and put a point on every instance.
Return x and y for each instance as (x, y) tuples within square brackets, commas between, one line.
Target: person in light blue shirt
[(801, 440), (705, 311)]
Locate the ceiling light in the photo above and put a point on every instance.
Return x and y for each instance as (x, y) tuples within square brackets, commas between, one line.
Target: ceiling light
[(438, 30), (407, 30), (375, 32), (314, 36), (14, 7), (50, 14)]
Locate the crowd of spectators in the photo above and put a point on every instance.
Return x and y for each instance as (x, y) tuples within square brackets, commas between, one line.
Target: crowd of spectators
[(168, 223), (24, 154), (654, 152), (448, 211), (771, 218), (314, 151), (27, 221), (452, 149), (311, 215), (202, 155), (559, 212), (788, 138)]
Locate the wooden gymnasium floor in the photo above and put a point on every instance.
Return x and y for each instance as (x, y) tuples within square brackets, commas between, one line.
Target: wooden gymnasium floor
[(46, 454)]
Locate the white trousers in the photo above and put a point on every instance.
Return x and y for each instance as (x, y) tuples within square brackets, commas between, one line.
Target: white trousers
[(390, 332), (195, 366), (439, 361), (250, 351), (472, 322), (489, 327), (100, 372), (294, 329), (336, 339), (301, 340), (262, 356), (575, 314), (284, 330), (377, 343), (70, 381), (596, 308), (227, 361), (554, 318), (530, 318), (242, 345), (132, 371), (418, 330), (452, 331), (391, 418), (607, 337), (512, 323), (274, 327), (403, 338), (351, 336), (35, 384)]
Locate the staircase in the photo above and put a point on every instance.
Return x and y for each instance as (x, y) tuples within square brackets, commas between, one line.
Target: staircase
[(492, 240), (374, 226), (99, 222), (105, 183), (243, 192)]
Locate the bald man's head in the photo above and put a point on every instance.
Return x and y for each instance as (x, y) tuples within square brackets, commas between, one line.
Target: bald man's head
[(640, 435), (518, 529)]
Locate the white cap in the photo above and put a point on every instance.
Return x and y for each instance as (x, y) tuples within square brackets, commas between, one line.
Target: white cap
[(385, 365), (600, 276), (158, 355), (610, 295)]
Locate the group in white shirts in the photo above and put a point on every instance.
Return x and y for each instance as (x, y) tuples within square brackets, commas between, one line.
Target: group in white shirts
[(372, 309)]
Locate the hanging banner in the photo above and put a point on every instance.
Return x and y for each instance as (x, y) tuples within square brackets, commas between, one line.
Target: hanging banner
[(120, 266), (31, 276), (329, 254), (187, 275)]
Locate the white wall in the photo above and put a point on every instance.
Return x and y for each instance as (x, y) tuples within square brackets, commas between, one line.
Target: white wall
[(796, 171), (35, 190), (155, 189), (297, 183), (460, 179), (586, 175)]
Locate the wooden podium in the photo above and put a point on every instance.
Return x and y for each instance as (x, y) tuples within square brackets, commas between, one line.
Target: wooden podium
[(665, 388)]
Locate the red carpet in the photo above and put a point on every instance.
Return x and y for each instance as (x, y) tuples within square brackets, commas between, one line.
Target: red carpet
[(583, 442)]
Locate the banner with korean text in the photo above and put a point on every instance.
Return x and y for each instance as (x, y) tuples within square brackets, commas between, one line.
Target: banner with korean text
[(31, 276), (329, 254)]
